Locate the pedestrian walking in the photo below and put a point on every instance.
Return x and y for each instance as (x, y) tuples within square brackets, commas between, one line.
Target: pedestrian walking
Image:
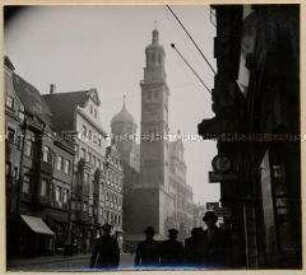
[(214, 242), (147, 252), (172, 251), (194, 248), (106, 253)]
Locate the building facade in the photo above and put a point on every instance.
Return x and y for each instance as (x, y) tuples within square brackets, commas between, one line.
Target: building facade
[(38, 223), (114, 188), (256, 95), (180, 191), (77, 114)]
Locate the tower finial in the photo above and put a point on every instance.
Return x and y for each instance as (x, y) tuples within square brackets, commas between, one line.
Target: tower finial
[(124, 97), (155, 34)]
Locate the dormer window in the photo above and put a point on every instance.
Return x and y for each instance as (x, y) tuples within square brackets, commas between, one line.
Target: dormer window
[(21, 112), (84, 130), (10, 102)]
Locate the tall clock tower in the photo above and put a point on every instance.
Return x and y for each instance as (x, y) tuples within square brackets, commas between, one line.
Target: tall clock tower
[(154, 117), (154, 202)]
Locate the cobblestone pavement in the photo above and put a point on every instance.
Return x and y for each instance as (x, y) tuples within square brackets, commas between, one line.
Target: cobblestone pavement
[(64, 264)]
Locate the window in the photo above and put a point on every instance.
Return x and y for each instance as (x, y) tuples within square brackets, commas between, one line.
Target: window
[(83, 153), (26, 184), (67, 167), (10, 102), (7, 169), (100, 211), (89, 157), (46, 154), (21, 112), (43, 188), (76, 148), (155, 94), (11, 135), (96, 113), (19, 141), (84, 130), (91, 109), (95, 139), (28, 148), (87, 178), (99, 164), (15, 174), (99, 142), (57, 193), (59, 163), (149, 94), (159, 59), (65, 196), (90, 135), (94, 161)]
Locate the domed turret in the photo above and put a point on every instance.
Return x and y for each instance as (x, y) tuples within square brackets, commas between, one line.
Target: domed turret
[(123, 116)]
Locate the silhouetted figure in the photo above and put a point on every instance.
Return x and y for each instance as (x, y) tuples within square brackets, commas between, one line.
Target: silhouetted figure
[(194, 248), (172, 251), (106, 253), (147, 252), (214, 242)]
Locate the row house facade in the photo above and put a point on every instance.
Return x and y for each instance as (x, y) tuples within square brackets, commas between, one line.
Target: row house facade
[(114, 188), (181, 192), (37, 212), (58, 170), (97, 194)]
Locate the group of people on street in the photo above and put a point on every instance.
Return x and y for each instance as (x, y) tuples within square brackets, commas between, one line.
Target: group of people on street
[(204, 249)]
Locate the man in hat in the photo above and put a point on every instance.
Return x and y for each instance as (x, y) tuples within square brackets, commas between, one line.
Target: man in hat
[(214, 242), (147, 254), (106, 253), (171, 250), (194, 248)]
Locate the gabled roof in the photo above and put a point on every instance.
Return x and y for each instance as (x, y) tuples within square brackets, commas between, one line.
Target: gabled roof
[(32, 100), (8, 63), (64, 105)]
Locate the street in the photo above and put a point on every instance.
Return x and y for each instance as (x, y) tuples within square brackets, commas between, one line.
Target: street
[(70, 264)]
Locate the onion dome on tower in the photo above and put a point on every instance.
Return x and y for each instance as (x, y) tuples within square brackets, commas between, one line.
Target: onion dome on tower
[(123, 122)]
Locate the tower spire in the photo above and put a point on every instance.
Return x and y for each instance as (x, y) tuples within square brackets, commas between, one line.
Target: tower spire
[(155, 34), (124, 97)]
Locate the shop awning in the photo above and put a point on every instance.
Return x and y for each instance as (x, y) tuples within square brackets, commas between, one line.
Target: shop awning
[(37, 225)]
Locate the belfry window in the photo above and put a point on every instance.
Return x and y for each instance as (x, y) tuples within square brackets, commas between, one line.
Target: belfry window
[(159, 59)]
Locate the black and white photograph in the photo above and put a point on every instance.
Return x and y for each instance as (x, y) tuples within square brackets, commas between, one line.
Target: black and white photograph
[(152, 137)]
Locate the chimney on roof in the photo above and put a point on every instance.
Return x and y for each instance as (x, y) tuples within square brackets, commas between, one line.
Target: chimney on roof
[(52, 89)]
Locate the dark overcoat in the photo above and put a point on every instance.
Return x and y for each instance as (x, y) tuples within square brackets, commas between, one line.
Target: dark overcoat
[(171, 253), (147, 254), (106, 253)]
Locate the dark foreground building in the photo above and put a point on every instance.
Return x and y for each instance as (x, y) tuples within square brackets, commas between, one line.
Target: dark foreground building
[(256, 105)]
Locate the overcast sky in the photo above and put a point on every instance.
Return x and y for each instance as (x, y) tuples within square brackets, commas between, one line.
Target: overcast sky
[(100, 47)]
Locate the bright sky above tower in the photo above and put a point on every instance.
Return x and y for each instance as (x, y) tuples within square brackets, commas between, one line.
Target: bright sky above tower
[(81, 47)]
